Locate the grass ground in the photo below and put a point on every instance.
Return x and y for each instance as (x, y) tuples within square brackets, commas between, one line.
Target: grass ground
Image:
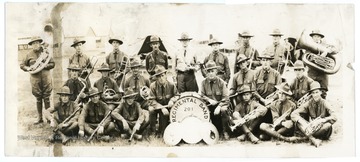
[(36, 135)]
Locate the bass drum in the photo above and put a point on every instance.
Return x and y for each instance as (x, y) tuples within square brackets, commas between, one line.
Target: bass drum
[(189, 104), (173, 134)]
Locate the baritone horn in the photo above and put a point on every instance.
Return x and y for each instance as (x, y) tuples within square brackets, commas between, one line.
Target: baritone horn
[(329, 64)]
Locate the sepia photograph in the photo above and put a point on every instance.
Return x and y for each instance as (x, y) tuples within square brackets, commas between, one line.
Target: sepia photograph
[(179, 80)]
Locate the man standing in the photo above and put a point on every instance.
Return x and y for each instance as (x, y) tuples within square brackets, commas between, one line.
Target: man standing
[(246, 49), (247, 116), (220, 59), (161, 91), (64, 109), (214, 90), (91, 116), (41, 82), (130, 117), (282, 126), (320, 115), (277, 51), (117, 59), (81, 59), (301, 84), (155, 57), (186, 66)]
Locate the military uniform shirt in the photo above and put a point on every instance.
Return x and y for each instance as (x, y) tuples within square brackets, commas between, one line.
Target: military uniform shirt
[(130, 112), (215, 89), (94, 113), (163, 93), (64, 110), (115, 59), (278, 108), (245, 108), (300, 87), (243, 77), (266, 80), (278, 52), (221, 60), (156, 58)]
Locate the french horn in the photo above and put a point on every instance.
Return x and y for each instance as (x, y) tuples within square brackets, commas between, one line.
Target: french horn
[(329, 64)]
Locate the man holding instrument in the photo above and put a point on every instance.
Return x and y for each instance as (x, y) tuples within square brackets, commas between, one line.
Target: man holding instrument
[(129, 117), (320, 116), (117, 59), (95, 118), (75, 83), (282, 127), (161, 91), (81, 59), (277, 51), (214, 90), (247, 116), (301, 84), (67, 116), (41, 82), (246, 49)]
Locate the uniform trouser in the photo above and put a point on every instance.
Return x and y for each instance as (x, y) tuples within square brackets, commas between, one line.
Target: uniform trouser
[(220, 121), (71, 130), (323, 133), (143, 124), (250, 126), (278, 130), (163, 120), (90, 127), (41, 87), (186, 81), (320, 77)]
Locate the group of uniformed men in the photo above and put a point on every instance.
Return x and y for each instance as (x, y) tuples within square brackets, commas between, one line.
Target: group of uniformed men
[(240, 109)]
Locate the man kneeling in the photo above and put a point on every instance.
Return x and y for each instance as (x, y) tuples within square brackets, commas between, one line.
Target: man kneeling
[(130, 118)]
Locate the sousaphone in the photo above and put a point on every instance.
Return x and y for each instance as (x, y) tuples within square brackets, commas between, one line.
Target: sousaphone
[(329, 64)]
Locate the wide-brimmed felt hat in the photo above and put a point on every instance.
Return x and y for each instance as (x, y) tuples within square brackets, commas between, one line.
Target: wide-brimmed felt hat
[(316, 32), (93, 91), (285, 88), (74, 67), (135, 63), (34, 39), (315, 85), (299, 65), (159, 69), (241, 58), (64, 91), (244, 89), (246, 33), (154, 39), (214, 41), (77, 41), (129, 93), (266, 55), (184, 37), (115, 38), (276, 32), (211, 65), (104, 67)]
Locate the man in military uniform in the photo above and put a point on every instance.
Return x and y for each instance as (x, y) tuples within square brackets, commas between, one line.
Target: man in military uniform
[(91, 116), (81, 59), (185, 66), (220, 59), (244, 76), (214, 90), (282, 127), (41, 82), (301, 84), (130, 117), (266, 78), (247, 116), (155, 57), (249, 51), (117, 59), (75, 83), (64, 109), (136, 81), (108, 86), (320, 114), (277, 51), (161, 91), (315, 74)]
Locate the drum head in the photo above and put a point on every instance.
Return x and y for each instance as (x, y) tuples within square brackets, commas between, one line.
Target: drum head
[(173, 134), (209, 133), (192, 127), (187, 106)]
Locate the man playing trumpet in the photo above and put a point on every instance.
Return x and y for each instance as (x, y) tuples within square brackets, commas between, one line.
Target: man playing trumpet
[(320, 116)]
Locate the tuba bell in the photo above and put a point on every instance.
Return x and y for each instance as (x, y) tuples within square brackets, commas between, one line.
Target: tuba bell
[(329, 64), (42, 61)]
